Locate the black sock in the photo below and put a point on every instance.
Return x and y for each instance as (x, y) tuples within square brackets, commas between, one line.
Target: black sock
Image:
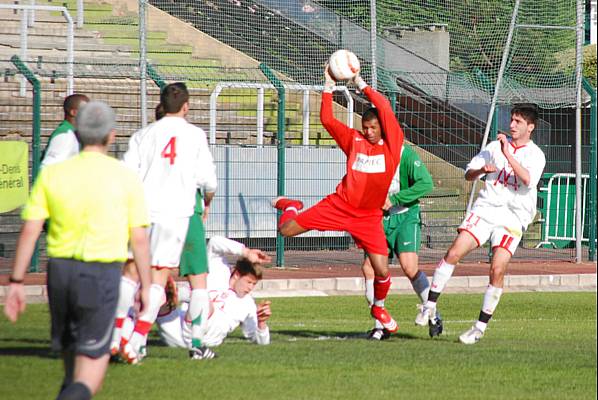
[(484, 317), (75, 391), (433, 296)]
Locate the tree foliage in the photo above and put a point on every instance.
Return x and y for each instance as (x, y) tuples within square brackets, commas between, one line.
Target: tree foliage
[(478, 31)]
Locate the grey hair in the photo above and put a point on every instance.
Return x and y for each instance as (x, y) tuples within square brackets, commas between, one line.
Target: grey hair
[(95, 120)]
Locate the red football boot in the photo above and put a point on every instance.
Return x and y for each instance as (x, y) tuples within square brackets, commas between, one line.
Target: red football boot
[(385, 319), (282, 203)]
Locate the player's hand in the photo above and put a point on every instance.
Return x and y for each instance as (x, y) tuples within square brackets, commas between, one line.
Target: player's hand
[(359, 81), (144, 299), (15, 302), (504, 144), (263, 312), (488, 168), (387, 204), (256, 256), (329, 81), (327, 75)]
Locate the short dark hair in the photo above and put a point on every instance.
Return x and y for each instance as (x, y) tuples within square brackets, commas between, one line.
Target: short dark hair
[(73, 102), (528, 111), (173, 97), (246, 267), (370, 114), (159, 112)]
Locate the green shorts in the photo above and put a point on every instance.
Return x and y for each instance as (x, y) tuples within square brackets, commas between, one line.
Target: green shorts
[(194, 259), (403, 231)]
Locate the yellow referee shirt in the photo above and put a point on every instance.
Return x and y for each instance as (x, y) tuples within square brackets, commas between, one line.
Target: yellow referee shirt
[(92, 200)]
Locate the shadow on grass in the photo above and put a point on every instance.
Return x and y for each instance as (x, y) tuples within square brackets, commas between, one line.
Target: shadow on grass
[(42, 352), (324, 335)]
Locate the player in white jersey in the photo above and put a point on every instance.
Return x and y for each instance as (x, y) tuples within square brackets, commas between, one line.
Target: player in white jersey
[(229, 308), (229, 292), (172, 158), (504, 208)]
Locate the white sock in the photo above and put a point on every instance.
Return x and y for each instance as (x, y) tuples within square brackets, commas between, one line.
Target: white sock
[(421, 286), (491, 299), (481, 326), (369, 291), (128, 326), (184, 292), (126, 299), (157, 298), (369, 295), (199, 308), (443, 273)]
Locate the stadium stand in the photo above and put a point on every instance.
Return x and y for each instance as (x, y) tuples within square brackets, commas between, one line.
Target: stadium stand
[(263, 33)]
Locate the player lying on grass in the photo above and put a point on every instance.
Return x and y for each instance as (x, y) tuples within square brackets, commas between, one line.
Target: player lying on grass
[(402, 226), (231, 303), (373, 156), (504, 208)]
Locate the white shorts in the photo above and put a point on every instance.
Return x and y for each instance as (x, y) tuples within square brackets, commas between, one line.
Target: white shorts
[(498, 224), (167, 239)]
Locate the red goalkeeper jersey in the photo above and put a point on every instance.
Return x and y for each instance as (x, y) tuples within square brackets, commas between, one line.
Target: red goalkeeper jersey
[(370, 167)]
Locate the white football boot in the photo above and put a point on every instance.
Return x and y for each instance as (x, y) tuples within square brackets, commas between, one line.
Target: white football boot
[(471, 336), (424, 315)]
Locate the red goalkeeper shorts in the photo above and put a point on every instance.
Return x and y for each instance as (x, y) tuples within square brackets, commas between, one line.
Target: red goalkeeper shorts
[(334, 214)]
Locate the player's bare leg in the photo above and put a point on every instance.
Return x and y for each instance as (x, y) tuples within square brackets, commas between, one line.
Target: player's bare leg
[(88, 376), (462, 245), (381, 287), (290, 208), (498, 267), (291, 228)]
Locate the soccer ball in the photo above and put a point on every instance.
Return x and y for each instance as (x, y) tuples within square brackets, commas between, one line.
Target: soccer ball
[(344, 65)]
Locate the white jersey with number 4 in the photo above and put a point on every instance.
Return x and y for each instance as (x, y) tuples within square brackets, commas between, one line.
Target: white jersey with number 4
[(173, 159), (503, 189)]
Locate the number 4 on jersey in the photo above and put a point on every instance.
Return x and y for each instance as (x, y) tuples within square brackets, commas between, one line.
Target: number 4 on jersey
[(169, 150)]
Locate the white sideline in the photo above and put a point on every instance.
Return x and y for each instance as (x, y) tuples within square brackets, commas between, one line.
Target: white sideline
[(354, 286)]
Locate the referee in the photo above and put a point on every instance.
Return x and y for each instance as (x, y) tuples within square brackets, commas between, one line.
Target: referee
[(95, 206)]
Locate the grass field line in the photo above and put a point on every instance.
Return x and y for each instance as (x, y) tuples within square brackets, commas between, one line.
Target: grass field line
[(315, 323)]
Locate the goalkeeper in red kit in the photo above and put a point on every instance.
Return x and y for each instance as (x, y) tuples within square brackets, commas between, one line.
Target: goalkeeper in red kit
[(356, 207)]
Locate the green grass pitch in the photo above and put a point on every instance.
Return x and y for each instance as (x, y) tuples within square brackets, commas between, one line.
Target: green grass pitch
[(538, 346)]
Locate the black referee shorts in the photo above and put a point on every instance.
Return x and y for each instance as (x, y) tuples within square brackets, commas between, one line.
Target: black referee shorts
[(82, 298)]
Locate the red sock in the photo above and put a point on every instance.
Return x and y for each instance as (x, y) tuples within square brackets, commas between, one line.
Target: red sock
[(286, 216), (143, 327), (381, 287)]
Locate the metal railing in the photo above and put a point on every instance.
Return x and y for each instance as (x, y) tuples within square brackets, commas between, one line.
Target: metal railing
[(69, 38)]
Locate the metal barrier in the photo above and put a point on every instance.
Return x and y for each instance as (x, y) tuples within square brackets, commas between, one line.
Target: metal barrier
[(558, 210), (69, 37), (260, 105)]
